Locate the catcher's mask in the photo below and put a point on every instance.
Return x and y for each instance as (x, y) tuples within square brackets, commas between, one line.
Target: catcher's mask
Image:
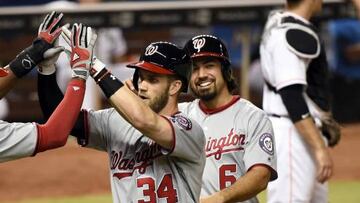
[(164, 58), (211, 46)]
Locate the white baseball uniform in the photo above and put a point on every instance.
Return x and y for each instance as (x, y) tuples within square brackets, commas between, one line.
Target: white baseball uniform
[(281, 67), (17, 140), (141, 170), (238, 137)]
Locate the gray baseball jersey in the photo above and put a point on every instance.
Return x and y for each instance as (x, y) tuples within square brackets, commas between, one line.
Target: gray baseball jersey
[(238, 137), (143, 171), (17, 140)]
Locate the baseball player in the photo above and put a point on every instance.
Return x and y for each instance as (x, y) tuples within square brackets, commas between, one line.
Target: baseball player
[(296, 94), (156, 153), (19, 140), (240, 148)]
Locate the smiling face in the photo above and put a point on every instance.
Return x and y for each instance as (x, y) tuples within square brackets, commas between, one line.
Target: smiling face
[(154, 89), (206, 79)]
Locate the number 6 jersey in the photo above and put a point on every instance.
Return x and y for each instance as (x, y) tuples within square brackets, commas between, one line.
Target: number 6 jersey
[(238, 137), (141, 170)]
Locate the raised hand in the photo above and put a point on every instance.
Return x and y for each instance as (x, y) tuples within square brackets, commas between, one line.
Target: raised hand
[(97, 66), (82, 42), (41, 48)]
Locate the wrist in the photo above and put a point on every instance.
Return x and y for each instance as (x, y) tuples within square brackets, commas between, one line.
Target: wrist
[(26, 60), (220, 197), (97, 69), (46, 70), (80, 73), (109, 84)]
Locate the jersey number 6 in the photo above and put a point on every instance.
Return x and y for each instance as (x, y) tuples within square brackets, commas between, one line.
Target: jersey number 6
[(165, 189), (225, 180)]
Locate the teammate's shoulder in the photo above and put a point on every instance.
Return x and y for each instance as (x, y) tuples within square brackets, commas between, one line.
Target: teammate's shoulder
[(248, 105), (250, 109), (301, 38), (187, 106)]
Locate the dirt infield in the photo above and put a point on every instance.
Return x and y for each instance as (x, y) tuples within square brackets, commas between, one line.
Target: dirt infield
[(73, 170)]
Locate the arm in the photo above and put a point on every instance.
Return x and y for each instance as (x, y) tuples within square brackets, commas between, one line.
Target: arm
[(129, 105), (299, 114), (49, 92), (246, 187), (7, 82), (136, 112), (41, 49), (55, 131)]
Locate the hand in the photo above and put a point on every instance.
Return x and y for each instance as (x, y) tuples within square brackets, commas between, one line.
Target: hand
[(47, 66), (97, 66), (82, 45), (324, 164), (49, 31)]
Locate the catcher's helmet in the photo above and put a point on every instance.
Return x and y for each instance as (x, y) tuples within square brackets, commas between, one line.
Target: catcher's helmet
[(164, 58), (211, 46)]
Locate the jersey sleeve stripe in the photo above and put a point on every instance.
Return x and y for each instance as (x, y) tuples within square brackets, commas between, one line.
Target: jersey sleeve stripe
[(273, 172)]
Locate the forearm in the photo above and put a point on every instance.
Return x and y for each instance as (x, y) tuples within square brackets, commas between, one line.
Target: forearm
[(311, 134), (55, 131), (49, 94), (247, 186), (140, 115), (50, 97), (7, 82)]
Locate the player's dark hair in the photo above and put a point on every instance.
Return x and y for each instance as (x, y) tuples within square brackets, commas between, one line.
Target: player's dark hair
[(229, 77)]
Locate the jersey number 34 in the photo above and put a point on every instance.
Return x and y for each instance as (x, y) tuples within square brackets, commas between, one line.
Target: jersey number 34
[(165, 190)]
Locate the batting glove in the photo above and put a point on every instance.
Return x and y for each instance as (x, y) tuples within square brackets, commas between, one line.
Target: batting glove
[(41, 47), (97, 66), (47, 66), (82, 45)]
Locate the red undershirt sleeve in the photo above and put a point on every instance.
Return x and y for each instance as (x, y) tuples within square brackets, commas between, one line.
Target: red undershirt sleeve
[(55, 131)]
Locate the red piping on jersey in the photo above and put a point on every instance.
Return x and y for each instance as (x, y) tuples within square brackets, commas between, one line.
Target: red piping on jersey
[(273, 175), (173, 134), (206, 110), (290, 166)]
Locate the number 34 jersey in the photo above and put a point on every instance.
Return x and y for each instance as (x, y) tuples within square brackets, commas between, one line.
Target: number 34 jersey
[(238, 136), (141, 170)]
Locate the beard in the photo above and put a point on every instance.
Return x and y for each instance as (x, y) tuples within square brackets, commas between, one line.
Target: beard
[(159, 101), (206, 95)]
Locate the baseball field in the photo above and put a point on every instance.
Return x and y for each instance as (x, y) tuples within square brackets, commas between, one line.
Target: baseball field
[(77, 175)]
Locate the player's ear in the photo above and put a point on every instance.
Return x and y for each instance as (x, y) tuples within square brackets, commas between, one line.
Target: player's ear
[(175, 87)]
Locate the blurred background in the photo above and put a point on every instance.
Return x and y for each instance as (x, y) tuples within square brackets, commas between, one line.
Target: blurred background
[(124, 29)]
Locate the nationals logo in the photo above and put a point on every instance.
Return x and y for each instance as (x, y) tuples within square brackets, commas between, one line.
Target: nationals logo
[(230, 143), (266, 143), (199, 43), (150, 50), (183, 122)]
